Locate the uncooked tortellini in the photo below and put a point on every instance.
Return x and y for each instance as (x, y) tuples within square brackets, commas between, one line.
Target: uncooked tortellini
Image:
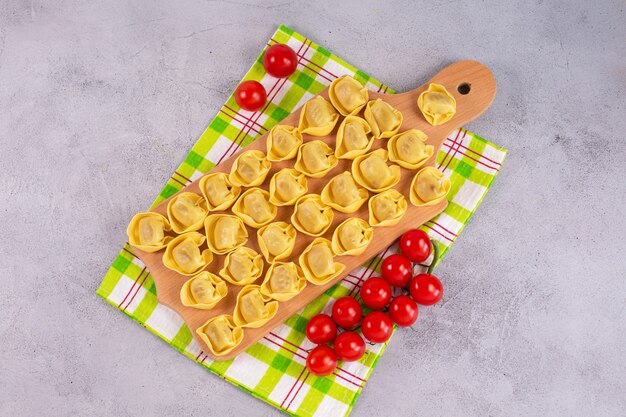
[(254, 309), (283, 281), (343, 194), (146, 231), (221, 334), (282, 142), (218, 191), (353, 138), (429, 187), (242, 266), (315, 159), (436, 104), (286, 186), (409, 150), (183, 254), (250, 169), (317, 117), (254, 208), (384, 120), (186, 212), (311, 216), (347, 95), (203, 291), (372, 172), (352, 237), (317, 262), (387, 208), (224, 232), (276, 240)]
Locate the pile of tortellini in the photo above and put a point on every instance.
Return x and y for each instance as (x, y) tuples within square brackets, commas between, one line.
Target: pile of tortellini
[(214, 223)]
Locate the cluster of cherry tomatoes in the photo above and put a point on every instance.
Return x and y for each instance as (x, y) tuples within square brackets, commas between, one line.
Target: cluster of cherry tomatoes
[(376, 294), (279, 61)]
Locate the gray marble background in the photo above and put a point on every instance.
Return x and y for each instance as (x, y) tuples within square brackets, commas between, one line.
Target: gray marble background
[(100, 101)]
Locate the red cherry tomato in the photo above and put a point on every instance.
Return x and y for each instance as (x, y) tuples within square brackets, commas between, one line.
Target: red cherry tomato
[(347, 312), (321, 361), (376, 293), (403, 311), (349, 346), (415, 245), (280, 61), (426, 289), (396, 270), (250, 95), (321, 329), (377, 327)]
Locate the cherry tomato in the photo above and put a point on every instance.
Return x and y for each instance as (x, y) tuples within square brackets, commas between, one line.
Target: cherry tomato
[(349, 346), (377, 327), (321, 329), (403, 311), (280, 61), (415, 245), (376, 293), (347, 312), (426, 289), (396, 270), (250, 95), (321, 361)]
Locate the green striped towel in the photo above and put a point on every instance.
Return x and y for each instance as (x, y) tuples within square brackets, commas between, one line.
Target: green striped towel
[(274, 368)]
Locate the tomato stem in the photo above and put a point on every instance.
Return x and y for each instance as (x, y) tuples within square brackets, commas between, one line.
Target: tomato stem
[(435, 256)]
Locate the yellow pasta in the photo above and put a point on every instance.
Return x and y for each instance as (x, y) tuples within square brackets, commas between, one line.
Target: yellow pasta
[(146, 231), (317, 117), (352, 237), (242, 266), (353, 138), (343, 194), (224, 232), (317, 262), (384, 120), (221, 334), (372, 172), (286, 186), (347, 95), (409, 150), (250, 169), (311, 216), (436, 104), (283, 142), (276, 240), (283, 281), (429, 187), (218, 191), (183, 254), (186, 212), (253, 309), (203, 291), (387, 208), (254, 208), (315, 159)]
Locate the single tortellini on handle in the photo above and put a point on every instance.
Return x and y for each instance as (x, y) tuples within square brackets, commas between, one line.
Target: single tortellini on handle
[(218, 191), (317, 262), (283, 281), (242, 266), (146, 231), (343, 194), (352, 237), (347, 95), (436, 104), (387, 208), (372, 172), (224, 232), (353, 138), (253, 309), (429, 187), (254, 208), (409, 150), (186, 212), (183, 254), (221, 334), (317, 117), (250, 169), (276, 240), (311, 216), (203, 291), (384, 120), (287, 186), (315, 159), (283, 142)]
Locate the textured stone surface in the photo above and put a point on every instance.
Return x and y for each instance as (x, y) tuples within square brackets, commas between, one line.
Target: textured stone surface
[(100, 101)]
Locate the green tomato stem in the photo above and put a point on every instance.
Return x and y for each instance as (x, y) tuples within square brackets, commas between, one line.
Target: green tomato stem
[(435, 256)]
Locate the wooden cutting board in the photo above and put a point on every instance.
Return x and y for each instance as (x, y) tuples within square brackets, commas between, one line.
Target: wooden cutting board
[(474, 88)]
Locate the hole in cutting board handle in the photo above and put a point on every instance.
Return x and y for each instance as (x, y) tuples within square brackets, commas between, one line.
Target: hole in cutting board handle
[(464, 88)]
